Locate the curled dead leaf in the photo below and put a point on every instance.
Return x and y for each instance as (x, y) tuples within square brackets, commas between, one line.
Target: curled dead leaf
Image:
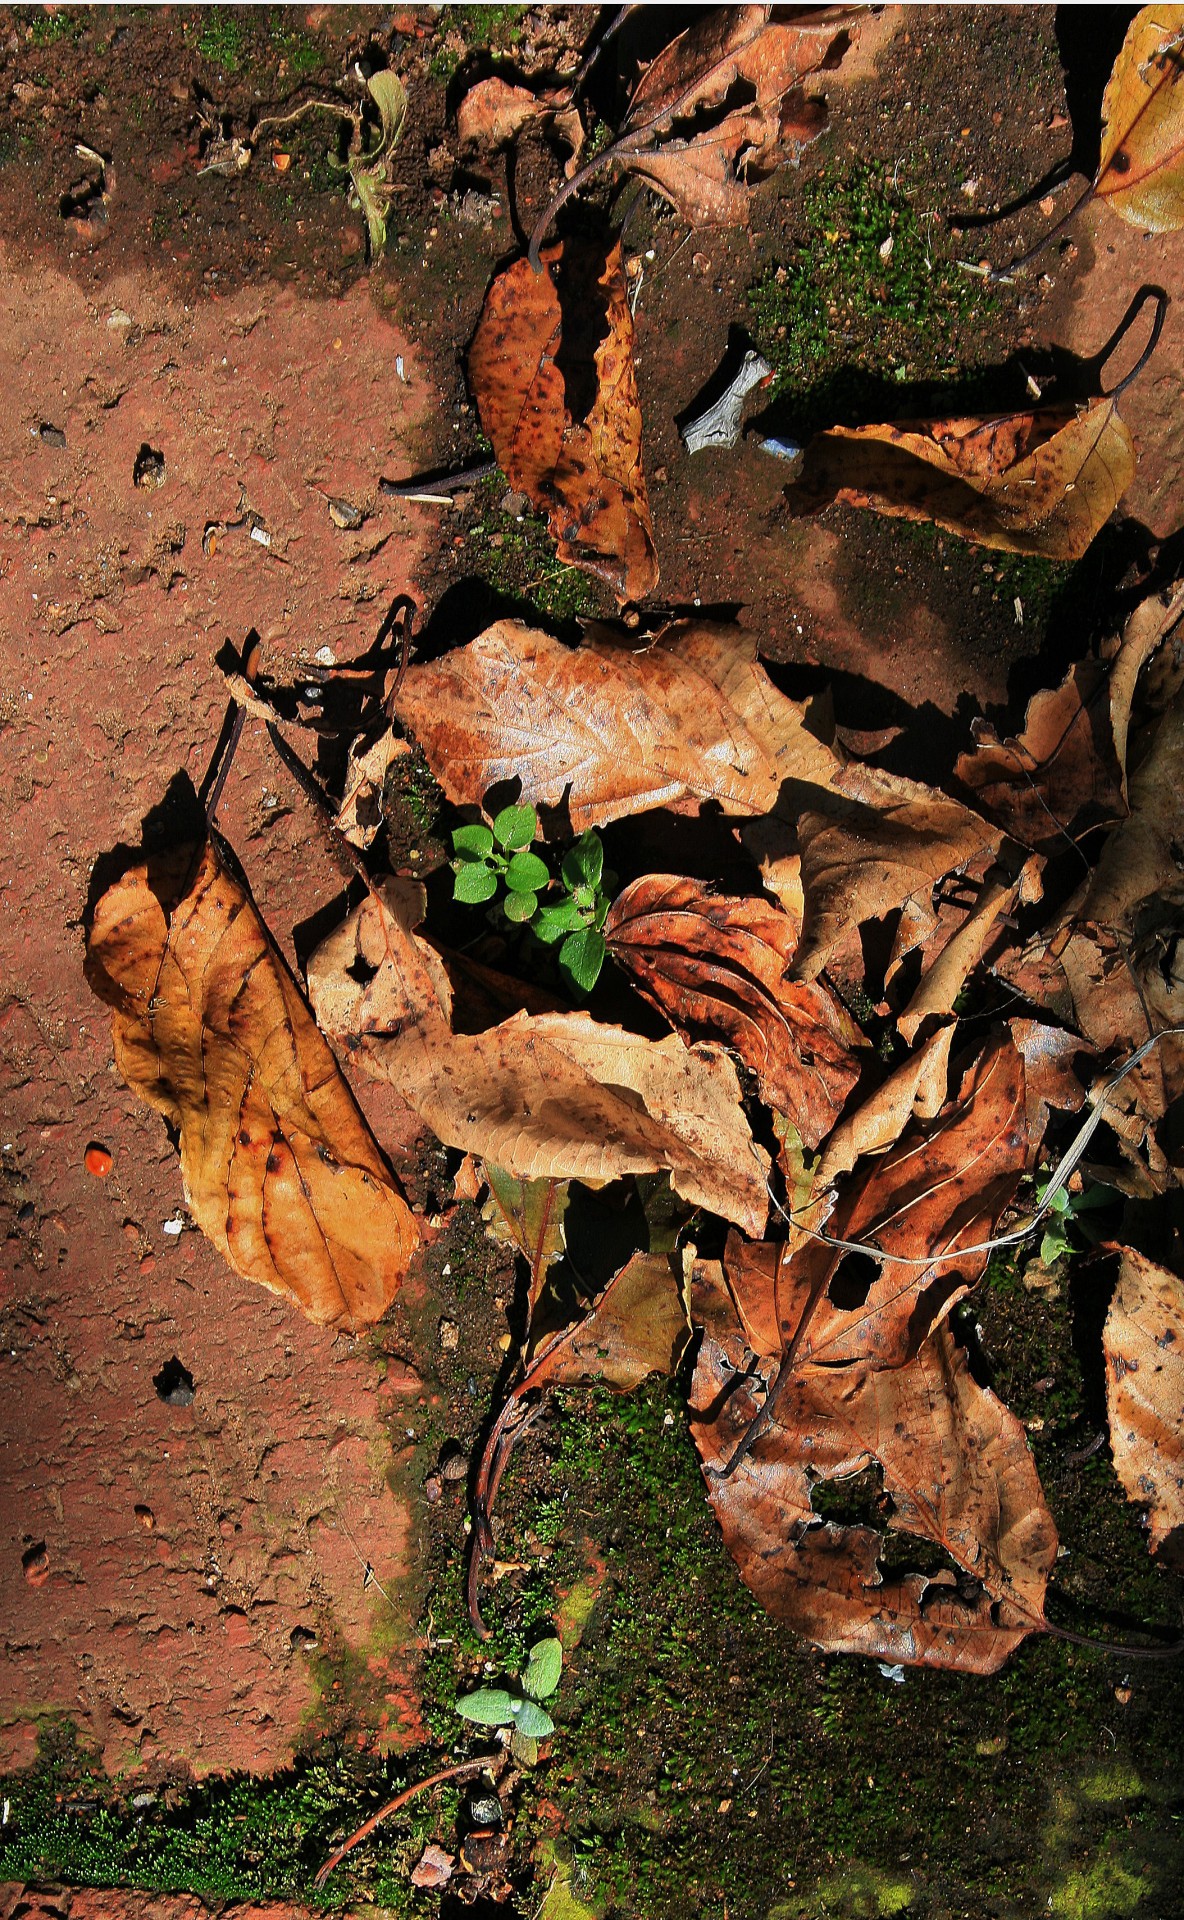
[(717, 965), (956, 1471), (494, 111), (942, 1186), (279, 1168), (702, 150), (577, 456), (1141, 169), (544, 1096), (1042, 483), (1143, 1341)]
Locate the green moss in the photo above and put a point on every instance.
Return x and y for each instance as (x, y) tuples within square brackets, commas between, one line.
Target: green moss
[(48, 28), (849, 313), (491, 28), (518, 559), (221, 39), (1105, 1890)]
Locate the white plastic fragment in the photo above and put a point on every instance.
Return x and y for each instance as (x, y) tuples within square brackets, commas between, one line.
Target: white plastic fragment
[(174, 1226), (399, 368), (719, 424), (261, 535), (892, 1672)]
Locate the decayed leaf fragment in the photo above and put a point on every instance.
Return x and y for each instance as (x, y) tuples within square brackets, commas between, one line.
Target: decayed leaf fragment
[(881, 842), (759, 55), (956, 1471), (1066, 772), (578, 459), (545, 1096), (1143, 1341), (1141, 169), (942, 1186), (1041, 483), (616, 730), (718, 965), (494, 111), (529, 1215), (280, 1170)]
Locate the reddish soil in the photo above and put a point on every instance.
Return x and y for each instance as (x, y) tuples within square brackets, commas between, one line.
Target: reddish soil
[(167, 1570)]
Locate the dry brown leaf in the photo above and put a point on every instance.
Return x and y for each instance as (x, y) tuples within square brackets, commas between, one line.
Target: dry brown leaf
[(638, 1326), (1144, 1345), (360, 814), (704, 166), (577, 457), (1141, 169), (615, 729), (893, 839), (917, 1086), (717, 965), (546, 1096), (941, 1186), (279, 1168), (956, 1471), (950, 969), (494, 111), (1067, 772), (1042, 483)]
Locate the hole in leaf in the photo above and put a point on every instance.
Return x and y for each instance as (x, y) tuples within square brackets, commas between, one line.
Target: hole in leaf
[(852, 1281)]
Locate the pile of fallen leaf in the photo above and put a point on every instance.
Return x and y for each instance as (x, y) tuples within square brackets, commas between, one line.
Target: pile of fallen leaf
[(832, 1077)]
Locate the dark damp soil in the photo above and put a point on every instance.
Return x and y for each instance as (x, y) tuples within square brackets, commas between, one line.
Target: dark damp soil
[(703, 1765)]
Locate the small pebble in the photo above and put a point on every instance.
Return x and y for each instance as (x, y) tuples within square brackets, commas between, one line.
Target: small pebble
[(345, 515), (52, 436), (484, 1810), (260, 536), (97, 1160), (142, 1800), (449, 1336), (174, 1226), (433, 1487), (454, 1464), (148, 470)]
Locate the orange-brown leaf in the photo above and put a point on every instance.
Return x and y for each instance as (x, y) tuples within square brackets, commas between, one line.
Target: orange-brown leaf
[(553, 1096), (942, 1186), (705, 155), (577, 457), (616, 730), (1144, 1344), (956, 1472), (1042, 483), (279, 1167), (1141, 169), (717, 966), (882, 841)]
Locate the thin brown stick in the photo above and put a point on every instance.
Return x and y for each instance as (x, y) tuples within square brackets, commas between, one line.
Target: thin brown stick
[(232, 731), (392, 1806)]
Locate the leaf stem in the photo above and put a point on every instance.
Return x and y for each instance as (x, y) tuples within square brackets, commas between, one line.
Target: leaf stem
[(459, 1772)]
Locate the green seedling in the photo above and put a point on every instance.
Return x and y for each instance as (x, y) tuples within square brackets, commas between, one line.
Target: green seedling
[(518, 1708), (1064, 1218), (485, 856)]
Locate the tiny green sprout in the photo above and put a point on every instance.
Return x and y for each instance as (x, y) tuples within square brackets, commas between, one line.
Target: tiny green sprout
[(572, 918), (517, 1708), (1064, 1217)]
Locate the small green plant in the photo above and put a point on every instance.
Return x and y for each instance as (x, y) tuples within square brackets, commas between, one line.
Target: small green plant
[(518, 1708), (1064, 1218), (484, 856), (221, 39)]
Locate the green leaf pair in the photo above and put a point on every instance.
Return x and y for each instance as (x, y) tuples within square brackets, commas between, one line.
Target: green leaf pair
[(519, 1710), (484, 855)]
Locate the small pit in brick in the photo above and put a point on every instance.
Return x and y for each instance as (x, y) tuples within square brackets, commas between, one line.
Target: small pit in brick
[(174, 1384), (149, 468)]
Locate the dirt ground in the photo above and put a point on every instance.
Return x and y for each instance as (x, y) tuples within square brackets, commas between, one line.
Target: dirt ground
[(217, 1555)]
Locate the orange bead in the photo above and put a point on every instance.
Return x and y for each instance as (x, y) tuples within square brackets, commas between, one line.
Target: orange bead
[(97, 1160)]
